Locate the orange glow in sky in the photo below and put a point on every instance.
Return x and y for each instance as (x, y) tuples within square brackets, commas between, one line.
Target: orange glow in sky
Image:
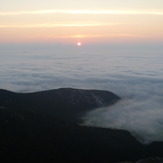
[(140, 20)]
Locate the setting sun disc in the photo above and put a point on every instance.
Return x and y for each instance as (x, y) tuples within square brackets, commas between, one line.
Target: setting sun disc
[(79, 43)]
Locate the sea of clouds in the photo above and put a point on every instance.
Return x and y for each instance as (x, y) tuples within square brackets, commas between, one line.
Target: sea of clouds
[(134, 72)]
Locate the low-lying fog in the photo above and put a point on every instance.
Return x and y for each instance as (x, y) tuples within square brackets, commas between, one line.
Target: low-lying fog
[(132, 72)]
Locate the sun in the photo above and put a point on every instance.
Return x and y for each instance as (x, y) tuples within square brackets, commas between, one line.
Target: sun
[(79, 44)]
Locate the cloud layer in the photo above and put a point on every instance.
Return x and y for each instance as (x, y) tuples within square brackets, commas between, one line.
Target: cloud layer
[(141, 115), (134, 73)]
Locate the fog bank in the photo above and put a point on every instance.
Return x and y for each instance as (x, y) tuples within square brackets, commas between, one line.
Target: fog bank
[(140, 111)]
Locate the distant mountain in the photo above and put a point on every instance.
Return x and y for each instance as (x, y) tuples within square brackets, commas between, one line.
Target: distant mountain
[(43, 127), (62, 103)]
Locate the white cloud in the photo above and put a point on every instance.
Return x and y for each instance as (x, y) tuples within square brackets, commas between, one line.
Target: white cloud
[(51, 25), (101, 12)]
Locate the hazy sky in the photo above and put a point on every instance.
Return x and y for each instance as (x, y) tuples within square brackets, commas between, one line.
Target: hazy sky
[(86, 21)]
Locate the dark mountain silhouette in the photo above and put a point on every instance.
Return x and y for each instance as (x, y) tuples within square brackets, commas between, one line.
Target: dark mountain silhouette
[(64, 103), (43, 127)]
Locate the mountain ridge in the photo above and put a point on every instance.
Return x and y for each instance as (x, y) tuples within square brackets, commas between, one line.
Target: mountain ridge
[(77, 101)]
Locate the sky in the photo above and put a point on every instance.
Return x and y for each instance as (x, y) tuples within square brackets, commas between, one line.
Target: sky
[(98, 21)]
